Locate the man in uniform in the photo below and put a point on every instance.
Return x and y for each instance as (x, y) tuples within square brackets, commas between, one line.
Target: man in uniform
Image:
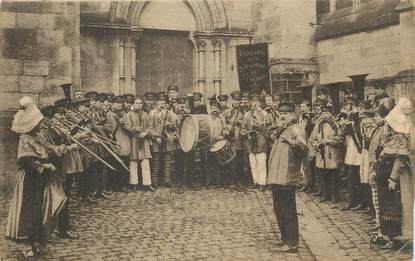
[(233, 118), (254, 132), (284, 173), (172, 92), (223, 102), (138, 125), (164, 140), (149, 100)]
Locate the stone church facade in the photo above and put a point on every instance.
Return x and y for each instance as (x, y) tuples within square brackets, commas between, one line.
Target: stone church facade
[(137, 46)]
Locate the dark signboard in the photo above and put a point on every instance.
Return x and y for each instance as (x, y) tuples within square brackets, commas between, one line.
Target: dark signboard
[(252, 60)]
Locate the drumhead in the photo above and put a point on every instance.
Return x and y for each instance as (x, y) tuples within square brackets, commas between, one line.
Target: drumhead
[(218, 145), (188, 134)]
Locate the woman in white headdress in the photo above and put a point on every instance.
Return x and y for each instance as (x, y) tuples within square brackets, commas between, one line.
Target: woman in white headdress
[(32, 204), (399, 119), (394, 167)]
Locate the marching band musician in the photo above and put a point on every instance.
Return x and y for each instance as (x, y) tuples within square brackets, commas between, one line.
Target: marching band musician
[(314, 180), (163, 126), (137, 123), (217, 133), (181, 158), (233, 118), (351, 129), (97, 116), (115, 121), (254, 133), (128, 101), (380, 93), (72, 168), (149, 100), (88, 181), (326, 138), (199, 106), (223, 102), (306, 121), (284, 172), (172, 92)]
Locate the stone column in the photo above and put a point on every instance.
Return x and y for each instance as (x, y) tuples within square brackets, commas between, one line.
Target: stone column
[(134, 39), (201, 66), (121, 63), (217, 74)]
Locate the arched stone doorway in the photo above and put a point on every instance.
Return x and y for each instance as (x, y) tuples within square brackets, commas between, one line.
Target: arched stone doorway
[(164, 52), (122, 43)]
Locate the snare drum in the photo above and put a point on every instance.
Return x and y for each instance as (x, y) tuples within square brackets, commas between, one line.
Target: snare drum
[(195, 132), (223, 152)]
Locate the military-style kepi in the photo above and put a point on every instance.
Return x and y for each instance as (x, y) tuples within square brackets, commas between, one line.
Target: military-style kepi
[(119, 98), (236, 95), (245, 95), (223, 97), (150, 96), (286, 107), (102, 96), (83, 101), (110, 96), (197, 96), (91, 95), (129, 97), (161, 96), (328, 107), (212, 98), (182, 100), (173, 88), (62, 102)]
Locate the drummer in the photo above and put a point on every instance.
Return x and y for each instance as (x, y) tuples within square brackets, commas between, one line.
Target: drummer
[(233, 118), (217, 132)]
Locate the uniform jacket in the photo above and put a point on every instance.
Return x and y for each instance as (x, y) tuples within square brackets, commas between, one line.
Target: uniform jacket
[(258, 121), (217, 124), (333, 155), (284, 163), (233, 119), (116, 124), (159, 119), (137, 123)]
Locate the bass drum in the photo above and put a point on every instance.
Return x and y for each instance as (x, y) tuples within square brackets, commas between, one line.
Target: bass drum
[(195, 132)]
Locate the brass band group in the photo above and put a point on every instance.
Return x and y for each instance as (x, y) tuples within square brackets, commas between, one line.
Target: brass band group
[(100, 143)]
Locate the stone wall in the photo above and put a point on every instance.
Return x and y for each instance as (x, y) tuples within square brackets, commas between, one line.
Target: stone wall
[(39, 51), (375, 53)]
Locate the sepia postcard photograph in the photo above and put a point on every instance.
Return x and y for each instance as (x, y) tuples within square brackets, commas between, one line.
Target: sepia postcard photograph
[(207, 130)]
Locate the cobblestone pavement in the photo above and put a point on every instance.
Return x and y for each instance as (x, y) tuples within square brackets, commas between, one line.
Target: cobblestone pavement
[(206, 224)]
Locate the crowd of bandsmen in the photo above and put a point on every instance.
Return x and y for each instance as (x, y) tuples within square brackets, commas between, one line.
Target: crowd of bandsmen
[(358, 150)]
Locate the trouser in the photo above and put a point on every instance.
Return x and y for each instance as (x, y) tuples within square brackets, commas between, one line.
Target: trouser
[(145, 172), (286, 212), (353, 184), (199, 164), (168, 167), (258, 164), (213, 171), (375, 202), (311, 174), (63, 223), (237, 168), (329, 186), (180, 159), (247, 176), (123, 174)]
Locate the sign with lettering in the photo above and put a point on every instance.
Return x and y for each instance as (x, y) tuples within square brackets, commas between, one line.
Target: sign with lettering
[(252, 60)]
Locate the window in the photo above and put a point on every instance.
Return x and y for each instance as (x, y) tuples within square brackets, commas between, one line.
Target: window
[(287, 86), (323, 7)]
